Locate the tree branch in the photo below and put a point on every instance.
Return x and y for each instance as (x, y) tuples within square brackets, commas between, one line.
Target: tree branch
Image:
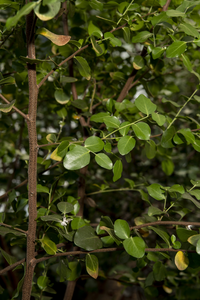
[(165, 7), (15, 108), (166, 223), (14, 228)]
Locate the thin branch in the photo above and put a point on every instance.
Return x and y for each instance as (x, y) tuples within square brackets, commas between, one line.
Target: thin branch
[(46, 145), (165, 7), (14, 228), (15, 108), (74, 253), (166, 223)]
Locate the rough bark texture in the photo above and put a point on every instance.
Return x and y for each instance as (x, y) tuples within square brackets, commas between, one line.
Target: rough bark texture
[(32, 169)]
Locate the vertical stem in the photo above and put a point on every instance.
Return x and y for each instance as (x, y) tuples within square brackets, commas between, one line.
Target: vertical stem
[(32, 168)]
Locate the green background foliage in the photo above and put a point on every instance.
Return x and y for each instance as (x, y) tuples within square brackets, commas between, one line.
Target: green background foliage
[(118, 147)]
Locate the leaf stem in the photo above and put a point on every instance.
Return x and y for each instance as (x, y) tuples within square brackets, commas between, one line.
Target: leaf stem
[(182, 109)]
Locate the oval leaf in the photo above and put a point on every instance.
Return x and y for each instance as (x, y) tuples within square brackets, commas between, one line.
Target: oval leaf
[(94, 143), (176, 49), (92, 265), (83, 67), (134, 246), (122, 229), (181, 261), (76, 158), (59, 40), (142, 130), (104, 161), (86, 238), (145, 105), (117, 170), (65, 207), (48, 11), (126, 144), (48, 245)]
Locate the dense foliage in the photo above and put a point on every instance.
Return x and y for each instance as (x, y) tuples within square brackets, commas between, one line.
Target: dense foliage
[(100, 101)]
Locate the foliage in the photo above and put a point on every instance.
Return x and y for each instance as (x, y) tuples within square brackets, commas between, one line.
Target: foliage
[(114, 90)]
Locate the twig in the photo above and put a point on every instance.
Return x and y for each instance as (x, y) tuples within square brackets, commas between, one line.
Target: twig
[(14, 228), (165, 7), (15, 108), (166, 223)]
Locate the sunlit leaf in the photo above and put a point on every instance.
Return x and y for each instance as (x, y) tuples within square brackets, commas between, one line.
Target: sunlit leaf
[(181, 261), (77, 158), (59, 40), (134, 246)]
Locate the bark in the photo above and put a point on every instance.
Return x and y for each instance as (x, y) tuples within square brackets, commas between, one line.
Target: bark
[(32, 169)]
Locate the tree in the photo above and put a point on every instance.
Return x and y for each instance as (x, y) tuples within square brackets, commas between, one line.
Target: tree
[(99, 148)]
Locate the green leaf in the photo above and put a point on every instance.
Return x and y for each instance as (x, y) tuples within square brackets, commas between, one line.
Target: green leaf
[(113, 40), (75, 268), (83, 67), (198, 247), (96, 46), (48, 245), (150, 149), (193, 240), (141, 37), (177, 188), (47, 12), (162, 17), (10, 259), (81, 104), (189, 29), (189, 136), (7, 107), (162, 234), (183, 234), (42, 189), (96, 4), (158, 118), (104, 161), (155, 191), (4, 231), (176, 49), (196, 183), (142, 131), (99, 118), (25, 10), (195, 193), (111, 232), (51, 138), (65, 207), (186, 62), (189, 197), (138, 62), (86, 238), (7, 80), (126, 144), (117, 170), (134, 246), (42, 282), (59, 40), (159, 271), (145, 105), (152, 211), (172, 102), (126, 34), (77, 223), (92, 265), (122, 229), (54, 218), (60, 151), (61, 97), (124, 129), (166, 140), (76, 158), (157, 52), (94, 30), (111, 122), (168, 167), (175, 13), (32, 60), (94, 144)]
